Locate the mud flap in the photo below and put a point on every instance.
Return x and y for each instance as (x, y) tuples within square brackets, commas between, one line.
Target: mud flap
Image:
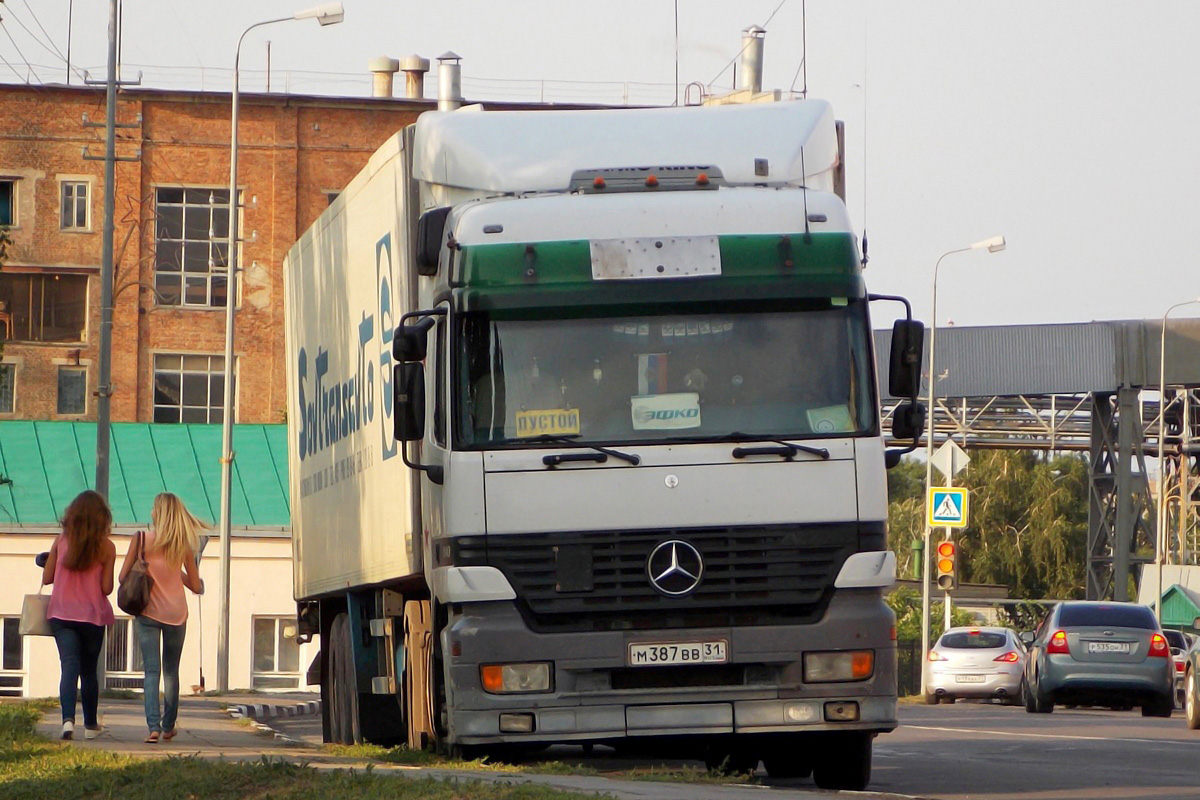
[(418, 688)]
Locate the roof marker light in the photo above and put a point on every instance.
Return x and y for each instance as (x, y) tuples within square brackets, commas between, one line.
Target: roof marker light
[(598, 183), (652, 181), (702, 179)]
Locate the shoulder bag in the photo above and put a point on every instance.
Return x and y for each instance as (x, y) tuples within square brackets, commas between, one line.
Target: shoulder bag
[(33, 615), (133, 595)]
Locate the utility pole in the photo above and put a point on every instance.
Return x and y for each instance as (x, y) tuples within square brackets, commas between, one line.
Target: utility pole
[(104, 389)]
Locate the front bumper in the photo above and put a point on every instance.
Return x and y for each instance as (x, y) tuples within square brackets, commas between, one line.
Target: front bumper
[(597, 696)]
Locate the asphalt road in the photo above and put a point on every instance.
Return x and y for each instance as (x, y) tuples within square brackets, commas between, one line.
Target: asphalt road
[(990, 752)]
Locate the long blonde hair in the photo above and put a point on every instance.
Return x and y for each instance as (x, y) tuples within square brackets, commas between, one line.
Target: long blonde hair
[(176, 530), (86, 523)]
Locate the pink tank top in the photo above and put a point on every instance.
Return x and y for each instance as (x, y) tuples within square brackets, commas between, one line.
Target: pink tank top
[(76, 596), (168, 603)]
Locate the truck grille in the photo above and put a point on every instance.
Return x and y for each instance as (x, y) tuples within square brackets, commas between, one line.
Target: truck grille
[(597, 581)]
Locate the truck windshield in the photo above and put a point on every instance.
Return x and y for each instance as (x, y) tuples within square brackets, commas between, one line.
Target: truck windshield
[(800, 373)]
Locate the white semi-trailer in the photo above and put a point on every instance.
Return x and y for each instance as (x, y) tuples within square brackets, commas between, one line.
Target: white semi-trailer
[(586, 444)]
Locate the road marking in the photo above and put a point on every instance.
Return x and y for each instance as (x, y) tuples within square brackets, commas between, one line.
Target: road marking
[(1049, 735)]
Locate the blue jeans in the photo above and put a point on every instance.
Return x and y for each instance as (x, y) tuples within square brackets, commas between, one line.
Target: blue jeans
[(151, 633), (79, 646)]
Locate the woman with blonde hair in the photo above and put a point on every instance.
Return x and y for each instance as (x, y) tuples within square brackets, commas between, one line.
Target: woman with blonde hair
[(80, 566), (170, 549)]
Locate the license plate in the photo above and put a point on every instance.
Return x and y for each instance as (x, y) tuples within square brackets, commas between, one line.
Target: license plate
[(1108, 647), (970, 678), (654, 654)]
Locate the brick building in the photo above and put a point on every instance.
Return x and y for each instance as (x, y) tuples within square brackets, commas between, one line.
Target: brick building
[(170, 242)]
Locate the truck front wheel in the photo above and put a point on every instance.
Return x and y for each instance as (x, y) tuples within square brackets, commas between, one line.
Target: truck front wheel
[(844, 762), (344, 725)]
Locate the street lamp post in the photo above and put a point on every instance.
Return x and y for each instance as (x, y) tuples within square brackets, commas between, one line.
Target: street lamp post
[(327, 14), (1160, 554), (993, 245)]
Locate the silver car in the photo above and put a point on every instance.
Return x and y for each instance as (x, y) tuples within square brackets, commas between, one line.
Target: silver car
[(975, 662), (1100, 654)]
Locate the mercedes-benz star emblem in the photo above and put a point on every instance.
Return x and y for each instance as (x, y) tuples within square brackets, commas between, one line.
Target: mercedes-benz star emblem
[(675, 568)]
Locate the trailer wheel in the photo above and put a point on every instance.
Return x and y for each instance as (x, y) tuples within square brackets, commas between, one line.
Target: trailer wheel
[(344, 726), (844, 762)]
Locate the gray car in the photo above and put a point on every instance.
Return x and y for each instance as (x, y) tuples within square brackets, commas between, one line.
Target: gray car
[(975, 662), (1100, 654)]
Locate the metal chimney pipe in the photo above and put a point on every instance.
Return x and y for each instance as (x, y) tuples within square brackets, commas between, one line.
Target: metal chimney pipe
[(752, 59), (414, 68), (449, 81), (384, 70)]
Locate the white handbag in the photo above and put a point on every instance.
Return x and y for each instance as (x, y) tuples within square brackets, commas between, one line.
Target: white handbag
[(33, 615)]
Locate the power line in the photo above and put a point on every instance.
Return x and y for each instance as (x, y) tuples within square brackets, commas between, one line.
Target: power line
[(18, 48)]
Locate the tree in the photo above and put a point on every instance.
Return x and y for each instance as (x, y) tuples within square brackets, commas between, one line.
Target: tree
[(1028, 518)]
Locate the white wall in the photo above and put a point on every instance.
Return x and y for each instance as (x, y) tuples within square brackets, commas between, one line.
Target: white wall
[(260, 585)]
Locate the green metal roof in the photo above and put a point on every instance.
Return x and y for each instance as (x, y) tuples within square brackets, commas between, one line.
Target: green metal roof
[(1179, 609), (49, 463)]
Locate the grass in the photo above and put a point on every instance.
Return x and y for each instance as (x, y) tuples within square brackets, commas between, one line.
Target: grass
[(32, 768), (533, 765)]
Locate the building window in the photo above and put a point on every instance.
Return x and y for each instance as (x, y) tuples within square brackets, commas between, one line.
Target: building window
[(189, 388), (122, 657), (276, 654), (330, 197), (72, 390), (12, 667), (44, 308), (8, 202), (191, 258), (8, 388), (74, 216)]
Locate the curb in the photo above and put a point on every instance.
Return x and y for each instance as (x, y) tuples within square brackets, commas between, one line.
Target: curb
[(267, 711), (264, 711)]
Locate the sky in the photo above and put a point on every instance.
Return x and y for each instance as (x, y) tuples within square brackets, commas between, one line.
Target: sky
[(1070, 128)]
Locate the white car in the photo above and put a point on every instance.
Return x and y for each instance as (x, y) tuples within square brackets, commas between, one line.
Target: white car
[(976, 662)]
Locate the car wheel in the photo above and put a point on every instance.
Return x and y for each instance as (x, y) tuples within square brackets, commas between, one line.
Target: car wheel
[(1042, 704), (1159, 707), (947, 699), (845, 763), (1191, 702), (1027, 698), (931, 699)]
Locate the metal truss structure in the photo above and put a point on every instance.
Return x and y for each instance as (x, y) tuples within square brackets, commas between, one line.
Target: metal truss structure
[(1117, 430)]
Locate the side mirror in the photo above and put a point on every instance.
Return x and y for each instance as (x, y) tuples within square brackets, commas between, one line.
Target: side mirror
[(1026, 637), (908, 421), (431, 231), (411, 342), (408, 387), (904, 373)]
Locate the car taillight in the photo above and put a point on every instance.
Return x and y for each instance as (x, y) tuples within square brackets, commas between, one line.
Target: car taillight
[(934, 655), (1158, 645), (1058, 643), (1179, 665), (1010, 657)]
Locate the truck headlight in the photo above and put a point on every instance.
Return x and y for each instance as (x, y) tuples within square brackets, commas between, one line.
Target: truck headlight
[(832, 667), (515, 678)]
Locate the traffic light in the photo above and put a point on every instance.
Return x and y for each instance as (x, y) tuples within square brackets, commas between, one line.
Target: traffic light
[(947, 565)]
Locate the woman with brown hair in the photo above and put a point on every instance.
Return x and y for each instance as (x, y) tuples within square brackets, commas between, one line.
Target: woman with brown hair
[(80, 566), (171, 546)]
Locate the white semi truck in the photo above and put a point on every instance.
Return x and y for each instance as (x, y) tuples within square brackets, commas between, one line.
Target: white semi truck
[(586, 443)]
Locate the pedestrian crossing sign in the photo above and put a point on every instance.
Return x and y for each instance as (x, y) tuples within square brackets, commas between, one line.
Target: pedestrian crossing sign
[(947, 508)]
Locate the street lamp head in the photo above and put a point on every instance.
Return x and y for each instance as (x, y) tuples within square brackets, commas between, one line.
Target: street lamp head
[(993, 245), (325, 14)]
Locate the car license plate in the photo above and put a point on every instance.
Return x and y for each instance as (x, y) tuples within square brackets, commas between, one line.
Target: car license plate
[(654, 654), (1108, 647), (969, 679)]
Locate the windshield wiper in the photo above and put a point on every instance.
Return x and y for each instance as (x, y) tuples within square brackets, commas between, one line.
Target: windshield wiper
[(785, 449), (555, 460)]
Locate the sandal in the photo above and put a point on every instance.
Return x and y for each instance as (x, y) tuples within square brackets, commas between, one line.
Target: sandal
[(152, 738), (169, 735)]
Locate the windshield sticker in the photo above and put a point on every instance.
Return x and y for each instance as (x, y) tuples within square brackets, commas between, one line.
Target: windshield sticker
[(666, 412), (652, 373), (556, 422), (830, 419)]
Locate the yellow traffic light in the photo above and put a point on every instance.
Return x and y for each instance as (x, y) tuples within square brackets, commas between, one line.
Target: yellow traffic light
[(947, 566)]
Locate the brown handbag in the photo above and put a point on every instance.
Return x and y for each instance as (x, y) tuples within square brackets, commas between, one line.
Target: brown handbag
[(133, 595)]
